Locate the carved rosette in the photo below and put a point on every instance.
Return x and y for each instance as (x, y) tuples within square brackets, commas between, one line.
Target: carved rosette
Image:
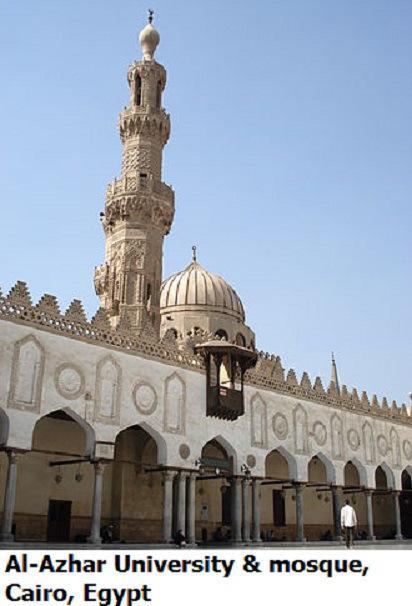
[(382, 444), (280, 426), (145, 398), (319, 433), (69, 381), (407, 449), (251, 461), (353, 439), (184, 451)]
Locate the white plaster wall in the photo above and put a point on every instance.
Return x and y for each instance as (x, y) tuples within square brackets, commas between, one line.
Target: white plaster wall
[(197, 429)]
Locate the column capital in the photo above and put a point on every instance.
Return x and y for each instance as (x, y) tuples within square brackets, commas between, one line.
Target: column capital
[(169, 474), (369, 491), (99, 466)]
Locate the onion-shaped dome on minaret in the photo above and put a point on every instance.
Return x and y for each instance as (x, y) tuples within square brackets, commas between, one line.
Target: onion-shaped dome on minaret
[(149, 39), (197, 298)]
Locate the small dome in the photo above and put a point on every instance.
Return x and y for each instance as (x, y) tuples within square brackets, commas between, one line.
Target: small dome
[(195, 286), (149, 39)]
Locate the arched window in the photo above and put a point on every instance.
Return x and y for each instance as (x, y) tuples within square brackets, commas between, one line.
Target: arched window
[(222, 334), (158, 94), (240, 340), (138, 90)]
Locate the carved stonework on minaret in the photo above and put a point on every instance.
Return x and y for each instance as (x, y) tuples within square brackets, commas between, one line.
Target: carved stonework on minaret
[(139, 207)]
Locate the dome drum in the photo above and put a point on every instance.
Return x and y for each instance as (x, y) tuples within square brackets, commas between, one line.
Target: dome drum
[(196, 299)]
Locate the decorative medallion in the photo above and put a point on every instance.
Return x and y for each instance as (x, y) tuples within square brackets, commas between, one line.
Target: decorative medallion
[(382, 443), (251, 461), (145, 398), (353, 439), (319, 433), (184, 451), (280, 426), (69, 381), (407, 449)]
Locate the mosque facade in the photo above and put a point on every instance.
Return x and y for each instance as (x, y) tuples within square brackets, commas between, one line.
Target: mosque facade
[(159, 415)]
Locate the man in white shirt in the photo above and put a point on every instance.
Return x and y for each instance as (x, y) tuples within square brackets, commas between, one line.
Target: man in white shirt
[(348, 522)]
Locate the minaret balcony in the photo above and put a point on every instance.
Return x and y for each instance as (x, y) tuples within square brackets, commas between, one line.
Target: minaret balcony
[(139, 182)]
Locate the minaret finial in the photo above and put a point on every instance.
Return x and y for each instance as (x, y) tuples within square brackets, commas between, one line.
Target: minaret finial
[(150, 15), (334, 374), (194, 257)]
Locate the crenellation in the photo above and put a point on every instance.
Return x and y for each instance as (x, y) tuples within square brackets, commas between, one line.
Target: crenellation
[(364, 401), (75, 312), (19, 294), (48, 304)]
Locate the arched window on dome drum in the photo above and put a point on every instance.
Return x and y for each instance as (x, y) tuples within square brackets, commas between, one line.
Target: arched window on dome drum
[(240, 340), (222, 334), (138, 90), (158, 94)]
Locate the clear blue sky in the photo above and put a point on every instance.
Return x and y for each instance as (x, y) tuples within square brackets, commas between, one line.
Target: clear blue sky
[(290, 156)]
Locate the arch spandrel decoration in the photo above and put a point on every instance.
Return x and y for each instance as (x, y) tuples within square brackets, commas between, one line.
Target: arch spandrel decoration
[(258, 411), (368, 442), (27, 375), (300, 426), (175, 404), (108, 390), (395, 447), (336, 432)]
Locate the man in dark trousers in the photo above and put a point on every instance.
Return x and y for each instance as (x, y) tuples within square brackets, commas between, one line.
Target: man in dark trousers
[(348, 522)]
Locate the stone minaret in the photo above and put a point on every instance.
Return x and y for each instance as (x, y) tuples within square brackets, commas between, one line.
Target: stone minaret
[(139, 206)]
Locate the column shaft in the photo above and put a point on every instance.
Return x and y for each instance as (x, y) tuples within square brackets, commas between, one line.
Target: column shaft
[(168, 477), (245, 511), (256, 510), (300, 536), (191, 509), (236, 509), (181, 503), (396, 496), (94, 536), (9, 498), (369, 514), (336, 502)]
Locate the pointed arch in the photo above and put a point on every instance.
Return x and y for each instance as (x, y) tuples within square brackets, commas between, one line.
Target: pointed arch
[(395, 447), (290, 460), (390, 478), (227, 447), (300, 423), (258, 409), (27, 374), (90, 436), (108, 390), (330, 468), (174, 420), (408, 470), (154, 434), (336, 432), (368, 442), (363, 477)]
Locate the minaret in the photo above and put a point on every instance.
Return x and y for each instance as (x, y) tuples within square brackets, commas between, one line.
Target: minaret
[(139, 206), (334, 375)]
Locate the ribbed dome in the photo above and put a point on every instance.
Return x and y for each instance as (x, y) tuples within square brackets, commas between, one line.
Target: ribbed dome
[(195, 286)]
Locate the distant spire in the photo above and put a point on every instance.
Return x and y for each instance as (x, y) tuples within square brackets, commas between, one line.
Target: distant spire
[(150, 15), (334, 374), (194, 257)]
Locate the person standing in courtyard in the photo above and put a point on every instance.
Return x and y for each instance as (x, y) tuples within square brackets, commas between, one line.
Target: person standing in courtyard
[(348, 522)]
